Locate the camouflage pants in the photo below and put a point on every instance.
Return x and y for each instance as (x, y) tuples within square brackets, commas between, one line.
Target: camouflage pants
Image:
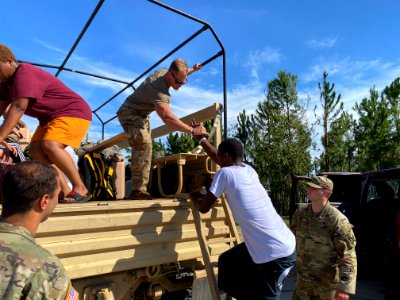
[(138, 126), (306, 291)]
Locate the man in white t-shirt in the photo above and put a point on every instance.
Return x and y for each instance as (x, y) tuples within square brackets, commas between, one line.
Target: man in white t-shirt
[(256, 268)]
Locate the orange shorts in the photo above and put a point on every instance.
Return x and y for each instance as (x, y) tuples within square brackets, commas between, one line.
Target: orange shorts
[(65, 130)]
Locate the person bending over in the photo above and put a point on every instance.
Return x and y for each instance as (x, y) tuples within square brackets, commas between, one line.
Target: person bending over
[(152, 95), (255, 269), (64, 117)]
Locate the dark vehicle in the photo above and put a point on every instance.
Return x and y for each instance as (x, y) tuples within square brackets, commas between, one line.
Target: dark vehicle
[(371, 202)]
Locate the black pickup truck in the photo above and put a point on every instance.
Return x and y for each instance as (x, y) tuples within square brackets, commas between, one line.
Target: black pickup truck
[(371, 202)]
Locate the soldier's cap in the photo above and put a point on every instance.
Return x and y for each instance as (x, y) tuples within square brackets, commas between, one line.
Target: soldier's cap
[(320, 182)]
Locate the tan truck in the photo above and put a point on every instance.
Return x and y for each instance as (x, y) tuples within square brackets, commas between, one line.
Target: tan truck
[(149, 249)]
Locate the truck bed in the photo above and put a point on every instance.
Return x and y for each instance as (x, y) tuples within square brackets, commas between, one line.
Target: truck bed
[(100, 237)]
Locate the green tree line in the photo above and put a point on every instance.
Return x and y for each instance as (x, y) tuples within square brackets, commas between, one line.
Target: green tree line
[(279, 137)]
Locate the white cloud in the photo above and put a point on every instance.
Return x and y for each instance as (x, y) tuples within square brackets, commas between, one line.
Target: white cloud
[(349, 70), (256, 59), (50, 46), (325, 43)]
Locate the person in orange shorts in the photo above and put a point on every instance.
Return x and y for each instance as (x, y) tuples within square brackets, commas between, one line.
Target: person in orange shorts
[(63, 115)]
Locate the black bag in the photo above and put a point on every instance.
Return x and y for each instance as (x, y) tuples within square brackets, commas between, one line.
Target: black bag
[(96, 174)]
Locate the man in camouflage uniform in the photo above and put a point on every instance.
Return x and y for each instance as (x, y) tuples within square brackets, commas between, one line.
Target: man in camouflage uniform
[(326, 256), (152, 95), (30, 193)]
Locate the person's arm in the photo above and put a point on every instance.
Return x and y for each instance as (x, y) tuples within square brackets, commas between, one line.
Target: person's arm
[(345, 245), (53, 286), (14, 114), (195, 68), (165, 113), (208, 148), (203, 202)]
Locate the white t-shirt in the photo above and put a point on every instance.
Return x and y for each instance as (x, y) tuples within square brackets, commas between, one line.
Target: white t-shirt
[(265, 234)]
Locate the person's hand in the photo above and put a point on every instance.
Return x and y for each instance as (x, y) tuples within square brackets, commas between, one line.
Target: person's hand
[(194, 124), (198, 129), (12, 150), (196, 198), (196, 67)]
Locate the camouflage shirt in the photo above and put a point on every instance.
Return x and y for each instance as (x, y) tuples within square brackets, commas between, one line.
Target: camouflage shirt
[(27, 270), (325, 248)]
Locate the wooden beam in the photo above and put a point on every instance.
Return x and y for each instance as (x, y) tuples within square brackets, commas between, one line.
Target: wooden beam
[(203, 115), (121, 139), (110, 142), (212, 280)]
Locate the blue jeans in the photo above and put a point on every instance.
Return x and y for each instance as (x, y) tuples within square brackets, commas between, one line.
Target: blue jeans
[(243, 279)]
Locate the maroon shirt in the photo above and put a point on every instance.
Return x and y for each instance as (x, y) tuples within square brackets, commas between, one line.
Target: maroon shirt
[(49, 97)]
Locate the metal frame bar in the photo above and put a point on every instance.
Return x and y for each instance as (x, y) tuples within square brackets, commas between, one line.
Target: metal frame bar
[(95, 11), (205, 27)]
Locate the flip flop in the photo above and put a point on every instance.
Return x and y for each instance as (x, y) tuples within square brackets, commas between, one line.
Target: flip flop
[(74, 197)]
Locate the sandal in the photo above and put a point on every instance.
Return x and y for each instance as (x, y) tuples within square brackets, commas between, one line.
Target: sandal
[(74, 197)]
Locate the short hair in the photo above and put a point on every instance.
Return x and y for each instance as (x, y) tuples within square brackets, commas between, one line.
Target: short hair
[(6, 54), (180, 65), (24, 184), (233, 147)]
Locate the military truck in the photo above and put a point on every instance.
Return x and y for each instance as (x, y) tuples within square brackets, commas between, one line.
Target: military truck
[(144, 249), (371, 202)]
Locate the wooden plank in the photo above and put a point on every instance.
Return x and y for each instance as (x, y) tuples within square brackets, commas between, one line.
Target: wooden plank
[(215, 229), (203, 115), (173, 158), (117, 205), (119, 220), (76, 245), (129, 259), (212, 281), (121, 139), (110, 142)]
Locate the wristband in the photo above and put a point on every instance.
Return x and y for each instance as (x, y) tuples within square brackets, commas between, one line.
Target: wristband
[(202, 140)]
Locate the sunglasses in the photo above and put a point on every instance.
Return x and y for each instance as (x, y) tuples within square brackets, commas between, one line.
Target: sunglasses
[(178, 81)]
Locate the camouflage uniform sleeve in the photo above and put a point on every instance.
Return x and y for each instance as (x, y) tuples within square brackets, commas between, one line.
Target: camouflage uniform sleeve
[(345, 245), (51, 282)]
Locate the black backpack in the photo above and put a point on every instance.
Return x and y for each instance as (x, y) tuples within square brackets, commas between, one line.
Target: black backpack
[(96, 173)]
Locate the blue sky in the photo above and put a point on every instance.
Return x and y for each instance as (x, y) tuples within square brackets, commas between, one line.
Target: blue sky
[(357, 42)]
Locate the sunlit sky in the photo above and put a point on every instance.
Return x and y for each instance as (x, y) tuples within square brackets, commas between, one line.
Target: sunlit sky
[(356, 42)]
